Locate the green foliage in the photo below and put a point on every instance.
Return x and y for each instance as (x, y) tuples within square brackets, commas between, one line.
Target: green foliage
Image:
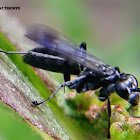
[(11, 123)]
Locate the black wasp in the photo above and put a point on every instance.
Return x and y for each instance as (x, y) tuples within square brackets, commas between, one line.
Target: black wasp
[(58, 54)]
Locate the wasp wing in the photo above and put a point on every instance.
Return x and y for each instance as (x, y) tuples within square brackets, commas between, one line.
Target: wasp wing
[(54, 43)]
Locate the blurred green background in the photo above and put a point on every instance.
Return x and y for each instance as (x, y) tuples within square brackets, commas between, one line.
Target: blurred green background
[(110, 28)]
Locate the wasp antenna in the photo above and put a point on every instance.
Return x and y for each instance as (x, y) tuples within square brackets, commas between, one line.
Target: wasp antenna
[(109, 115)]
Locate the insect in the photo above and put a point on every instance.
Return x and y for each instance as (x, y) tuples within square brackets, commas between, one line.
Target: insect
[(58, 54)]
